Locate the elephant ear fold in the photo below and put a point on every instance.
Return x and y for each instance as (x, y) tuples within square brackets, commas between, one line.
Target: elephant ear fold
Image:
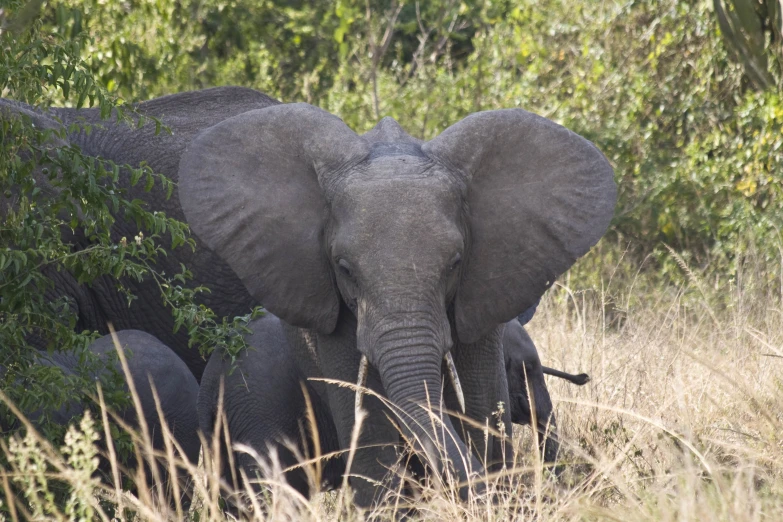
[(249, 187), (539, 197)]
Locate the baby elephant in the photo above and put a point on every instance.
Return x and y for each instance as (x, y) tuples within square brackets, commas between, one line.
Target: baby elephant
[(147, 358), (263, 403), (522, 361)]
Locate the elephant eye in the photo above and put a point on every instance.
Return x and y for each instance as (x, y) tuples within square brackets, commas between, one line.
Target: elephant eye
[(455, 261), (344, 267)]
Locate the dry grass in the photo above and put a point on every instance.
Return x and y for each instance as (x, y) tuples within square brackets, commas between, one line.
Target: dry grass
[(682, 420)]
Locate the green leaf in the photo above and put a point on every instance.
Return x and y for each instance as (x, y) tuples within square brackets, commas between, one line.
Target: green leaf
[(135, 176), (150, 182)]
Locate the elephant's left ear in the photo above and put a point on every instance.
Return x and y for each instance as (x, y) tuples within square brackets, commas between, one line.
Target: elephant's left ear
[(539, 197)]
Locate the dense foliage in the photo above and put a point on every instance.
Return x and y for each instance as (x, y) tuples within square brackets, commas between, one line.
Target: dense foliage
[(52, 193), (695, 137)]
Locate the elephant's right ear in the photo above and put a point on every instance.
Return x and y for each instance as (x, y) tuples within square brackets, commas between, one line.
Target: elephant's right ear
[(249, 187)]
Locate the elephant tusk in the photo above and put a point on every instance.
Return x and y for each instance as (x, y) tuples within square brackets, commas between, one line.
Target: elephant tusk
[(360, 382), (455, 381)]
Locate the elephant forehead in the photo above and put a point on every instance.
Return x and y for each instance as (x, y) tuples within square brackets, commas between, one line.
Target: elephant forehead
[(408, 178), (398, 215), (404, 201), (398, 161)]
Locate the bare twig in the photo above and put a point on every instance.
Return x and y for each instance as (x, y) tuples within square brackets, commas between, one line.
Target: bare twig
[(426, 33), (378, 51)]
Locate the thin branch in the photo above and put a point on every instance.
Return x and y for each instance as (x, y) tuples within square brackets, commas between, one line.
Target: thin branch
[(387, 36), (425, 37), (444, 39), (377, 52)]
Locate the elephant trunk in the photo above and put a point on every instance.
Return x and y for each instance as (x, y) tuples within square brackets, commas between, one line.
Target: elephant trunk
[(410, 370)]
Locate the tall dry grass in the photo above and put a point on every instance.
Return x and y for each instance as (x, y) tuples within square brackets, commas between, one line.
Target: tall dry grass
[(682, 420)]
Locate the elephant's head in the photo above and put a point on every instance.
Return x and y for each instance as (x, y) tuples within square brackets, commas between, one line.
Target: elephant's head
[(468, 229)]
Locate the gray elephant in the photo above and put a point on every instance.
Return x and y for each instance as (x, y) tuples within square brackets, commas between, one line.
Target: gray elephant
[(381, 253), (148, 359), (265, 407), (394, 259), (186, 115), (524, 371)]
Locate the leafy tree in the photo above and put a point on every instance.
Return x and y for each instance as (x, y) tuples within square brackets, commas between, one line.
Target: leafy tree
[(651, 83), (51, 193)]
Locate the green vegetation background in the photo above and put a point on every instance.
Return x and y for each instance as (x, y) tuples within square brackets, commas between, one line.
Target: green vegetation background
[(683, 97)]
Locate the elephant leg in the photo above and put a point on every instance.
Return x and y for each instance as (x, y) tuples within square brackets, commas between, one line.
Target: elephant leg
[(527, 389), (481, 369), (549, 445), (376, 454), (545, 423), (331, 471)]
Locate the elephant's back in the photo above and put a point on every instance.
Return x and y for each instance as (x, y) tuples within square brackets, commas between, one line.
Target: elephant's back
[(268, 338), (185, 114), (254, 385), (148, 356), (517, 344), (267, 358), (149, 359)]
